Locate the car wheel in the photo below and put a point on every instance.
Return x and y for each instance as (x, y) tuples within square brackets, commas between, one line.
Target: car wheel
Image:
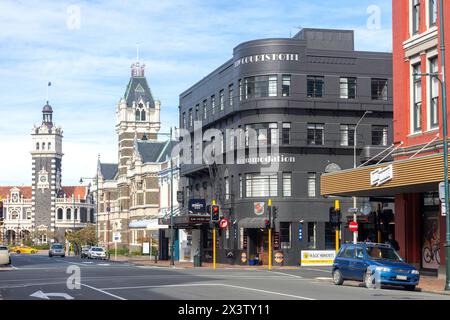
[(369, 281), (18, 251), (50, 255), (410, 288), (338, 279)]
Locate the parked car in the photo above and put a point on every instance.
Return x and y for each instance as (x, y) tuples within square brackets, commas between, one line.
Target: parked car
[(57, 249), (97, 253), (22, 249), (85, 251), (365, 261), (5, 257)]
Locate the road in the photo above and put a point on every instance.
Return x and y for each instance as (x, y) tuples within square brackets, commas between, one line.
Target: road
[(39, 277)]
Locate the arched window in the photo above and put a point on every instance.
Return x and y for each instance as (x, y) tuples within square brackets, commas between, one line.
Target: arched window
[(43, 145), (142, 115), (76, 214), (60, 214), (68, 214), (49, 146), (37, 145), (138, 115)]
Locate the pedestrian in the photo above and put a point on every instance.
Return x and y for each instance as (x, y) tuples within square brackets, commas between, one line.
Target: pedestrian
[(394, 244)]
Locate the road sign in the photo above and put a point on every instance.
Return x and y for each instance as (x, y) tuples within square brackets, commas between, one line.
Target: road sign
[(223, 224), (352, 210), (116, 237), (353, 226)]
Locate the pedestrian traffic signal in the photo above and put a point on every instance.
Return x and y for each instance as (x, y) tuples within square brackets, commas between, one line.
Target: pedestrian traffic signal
[(335, 216), (215, 216)]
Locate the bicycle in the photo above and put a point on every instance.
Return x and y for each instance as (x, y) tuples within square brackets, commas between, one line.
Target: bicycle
[(432, 253)]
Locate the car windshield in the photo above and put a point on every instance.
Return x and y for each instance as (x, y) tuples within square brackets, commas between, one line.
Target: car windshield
[(4, 248), (56, 246), (383, 253), (97, 249)]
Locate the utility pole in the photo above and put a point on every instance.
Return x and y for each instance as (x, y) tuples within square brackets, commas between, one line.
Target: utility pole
[(172, 234)]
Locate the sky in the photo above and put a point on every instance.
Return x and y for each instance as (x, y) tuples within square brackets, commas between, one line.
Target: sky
[(85, 48)]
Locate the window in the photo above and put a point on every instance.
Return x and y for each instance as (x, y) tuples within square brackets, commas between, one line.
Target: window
[(286, 133), (287, 184), (68, 214), (260, 86), (379, 135), (240, 89), (286, 85), (76, 214), (191, 120), (261, 185), (347, 88), (204, 109), (330, 236), (230, 95), (37, 146), (315, 134), (312, 185), (266, 133), (379, 89), (138, 115), (221, 100), (312, 239), (417, 98), (213, 104), (415, 16), (227, 188), (49, 146), (285, 235), (432, 12), (43, 146), (241, 190), (434, 94), (184, 120), (347, 133), (142, 115), (197, 118), (60, 214), (314, 87)]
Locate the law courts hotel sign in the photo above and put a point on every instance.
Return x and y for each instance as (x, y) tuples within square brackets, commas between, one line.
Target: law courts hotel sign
[(267, 57)]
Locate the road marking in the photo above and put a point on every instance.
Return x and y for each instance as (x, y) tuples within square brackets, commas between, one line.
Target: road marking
[(323, 278), (287, 274), (88, 262), (211, 284), (42, 295), (104, 292), (311, 269), (103, 264)]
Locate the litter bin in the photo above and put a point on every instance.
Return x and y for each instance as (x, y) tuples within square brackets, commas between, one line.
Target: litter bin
[(197, 261)]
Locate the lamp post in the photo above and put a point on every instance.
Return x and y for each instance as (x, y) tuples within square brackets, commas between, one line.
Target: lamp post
[(172, 235), (355, 234), (97, 202)]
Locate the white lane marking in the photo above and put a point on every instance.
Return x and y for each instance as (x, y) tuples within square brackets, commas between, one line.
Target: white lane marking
[(14, 267), (103, 264), (104, 292), (41, 295), (323, 278), (88, 262), (311, 269), (211, 284), (287, 274)]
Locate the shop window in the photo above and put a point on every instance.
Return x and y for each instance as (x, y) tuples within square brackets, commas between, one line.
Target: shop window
[(285, 235), (330, 236)]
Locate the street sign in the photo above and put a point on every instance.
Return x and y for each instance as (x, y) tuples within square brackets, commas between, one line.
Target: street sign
[(223, 224), (116, 237), (353, 226), (442, 191), (146, 248), (352, 210)]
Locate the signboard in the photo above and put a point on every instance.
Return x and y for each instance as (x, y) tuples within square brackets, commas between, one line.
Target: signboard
[(353, 226), (442, 198), (244, 243), (381, 175), (317, 257), (116, 237), (276, 241), (197, 206), (352, 210), (146, 248), (200, 219), (279, 257), (259, 208)]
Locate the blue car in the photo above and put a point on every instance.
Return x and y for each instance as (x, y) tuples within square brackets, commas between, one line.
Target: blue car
[(369, 261)]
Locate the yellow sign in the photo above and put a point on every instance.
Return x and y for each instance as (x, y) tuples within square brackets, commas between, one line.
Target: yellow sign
[(317, 257), (279, 257), (243, 257)]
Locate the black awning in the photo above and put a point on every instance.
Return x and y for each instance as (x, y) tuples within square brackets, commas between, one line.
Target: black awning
[(253, 223)]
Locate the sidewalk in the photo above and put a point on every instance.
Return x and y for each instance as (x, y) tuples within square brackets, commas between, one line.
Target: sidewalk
[(426, 284)]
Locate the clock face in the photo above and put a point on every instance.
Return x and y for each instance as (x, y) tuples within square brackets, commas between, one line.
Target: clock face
[(43, 179)]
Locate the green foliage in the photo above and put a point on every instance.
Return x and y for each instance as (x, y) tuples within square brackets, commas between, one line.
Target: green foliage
[(41, 247), (85, 236)]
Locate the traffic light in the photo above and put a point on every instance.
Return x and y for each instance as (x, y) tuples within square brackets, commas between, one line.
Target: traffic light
[(274, 216), (215, 215), (335, 216)]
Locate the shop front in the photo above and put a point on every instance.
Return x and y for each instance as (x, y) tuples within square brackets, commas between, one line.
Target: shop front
[(417, 214), (255, 240)]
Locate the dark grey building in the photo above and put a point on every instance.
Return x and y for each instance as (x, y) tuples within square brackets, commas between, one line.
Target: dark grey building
[(304, 95)]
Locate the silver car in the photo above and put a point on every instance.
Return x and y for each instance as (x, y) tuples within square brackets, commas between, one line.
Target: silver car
[(57, 249), (85, 251), (5, 257)]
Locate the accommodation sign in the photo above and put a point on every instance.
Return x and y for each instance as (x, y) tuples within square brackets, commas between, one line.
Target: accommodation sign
[(267, 57), (381, 176)]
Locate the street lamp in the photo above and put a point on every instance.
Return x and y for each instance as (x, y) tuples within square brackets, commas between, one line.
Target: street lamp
[(97, 202), (355, 234)]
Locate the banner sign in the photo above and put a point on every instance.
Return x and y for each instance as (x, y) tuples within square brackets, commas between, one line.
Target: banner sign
[(317, 257)]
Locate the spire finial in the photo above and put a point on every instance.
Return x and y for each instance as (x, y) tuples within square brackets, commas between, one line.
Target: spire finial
[(137, 52), (48, 85)]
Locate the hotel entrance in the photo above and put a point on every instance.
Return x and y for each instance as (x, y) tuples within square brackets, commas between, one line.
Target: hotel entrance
[(258, 246)]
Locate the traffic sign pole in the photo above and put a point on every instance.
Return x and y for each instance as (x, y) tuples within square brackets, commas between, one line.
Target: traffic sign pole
[(337, 208), (270, 233), (214, 240)]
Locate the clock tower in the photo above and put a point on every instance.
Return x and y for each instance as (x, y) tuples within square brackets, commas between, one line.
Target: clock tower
[(46, 171)]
